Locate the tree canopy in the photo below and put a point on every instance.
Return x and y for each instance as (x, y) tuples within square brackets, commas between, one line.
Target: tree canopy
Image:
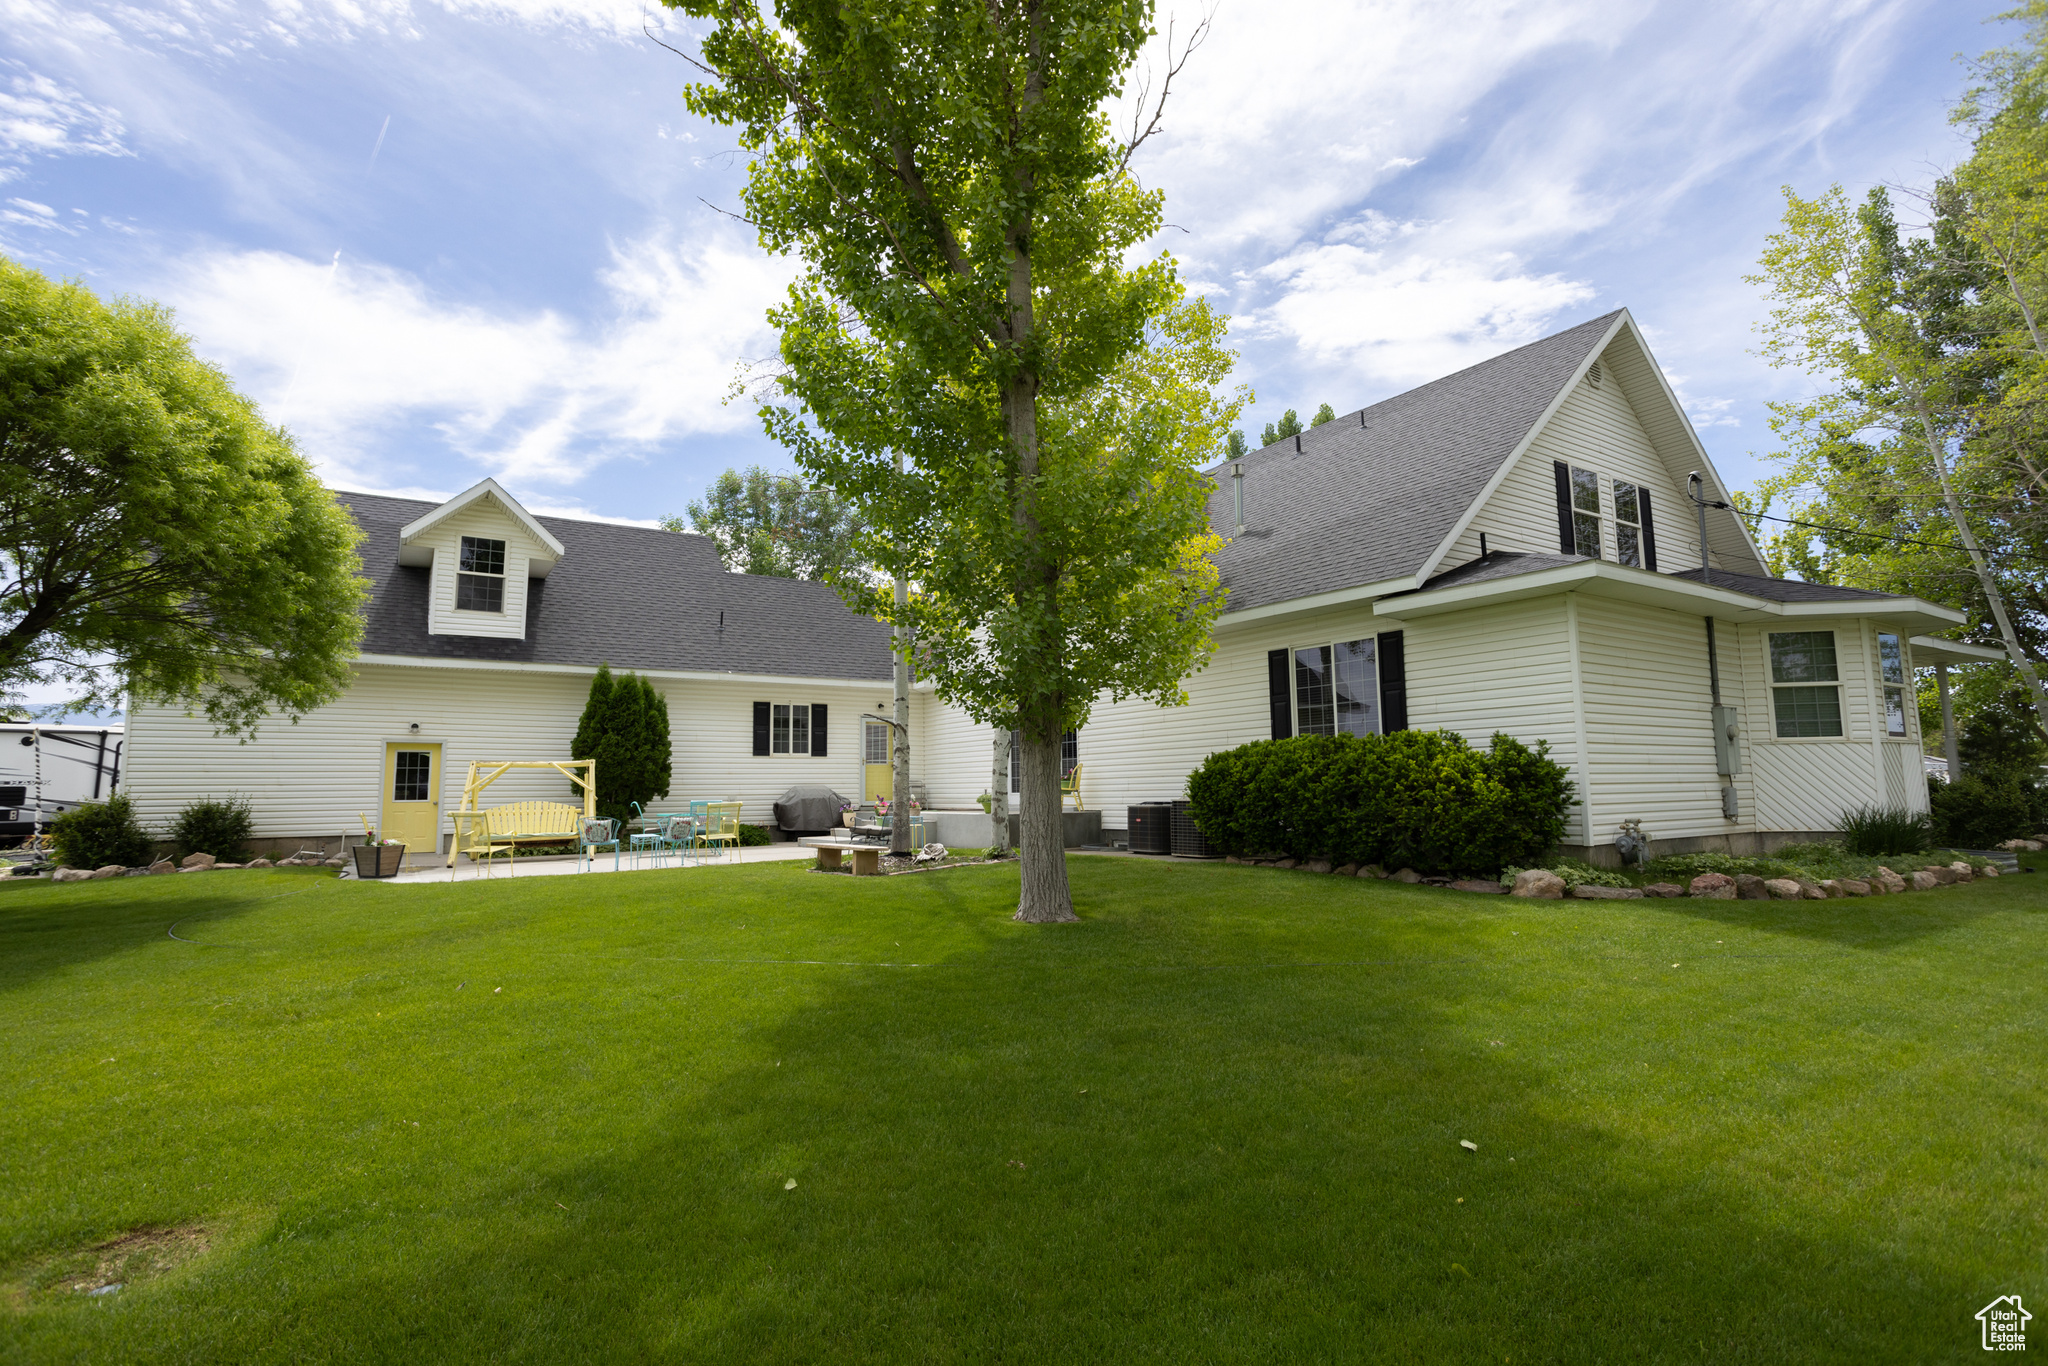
[(775, 524), (158, 539), (970, 297), (1288, 425), (1323, 414)]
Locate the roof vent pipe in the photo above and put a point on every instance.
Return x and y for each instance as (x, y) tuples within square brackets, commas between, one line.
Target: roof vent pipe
[(1297, 443), (1237, 489)]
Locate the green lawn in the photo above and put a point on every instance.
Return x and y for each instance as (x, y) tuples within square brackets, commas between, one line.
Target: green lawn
[(1219, 1120)]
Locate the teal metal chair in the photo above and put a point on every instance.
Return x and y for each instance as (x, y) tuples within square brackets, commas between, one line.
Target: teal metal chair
[(597, 834), (679, 835), (644, 841)]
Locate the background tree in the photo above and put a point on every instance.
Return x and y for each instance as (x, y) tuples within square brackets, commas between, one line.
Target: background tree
[(1288, 425), (1887, 323), (625, 728), (158, 539), (775, 524), (1323, 414), (965, 219), (1234, 445)]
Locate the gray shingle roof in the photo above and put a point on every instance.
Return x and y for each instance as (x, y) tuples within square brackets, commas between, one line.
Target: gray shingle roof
[(1501, 564), (1364, 503), (633, 597), (1778, 590)]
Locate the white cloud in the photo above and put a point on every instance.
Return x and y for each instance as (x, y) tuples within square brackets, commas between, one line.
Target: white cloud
[(39, 117), (343, 352)]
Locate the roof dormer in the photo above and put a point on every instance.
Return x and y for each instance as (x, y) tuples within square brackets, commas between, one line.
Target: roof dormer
[(480, 548)]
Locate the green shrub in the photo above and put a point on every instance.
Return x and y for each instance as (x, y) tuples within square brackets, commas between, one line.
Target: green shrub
[(1982, 811), (1575, 873), (1684, 867), (751, 835), (100, 833), (219, 828), (1871, 831), (1418, 798)]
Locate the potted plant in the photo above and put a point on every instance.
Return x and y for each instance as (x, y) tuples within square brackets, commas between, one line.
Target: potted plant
[(380, 859)]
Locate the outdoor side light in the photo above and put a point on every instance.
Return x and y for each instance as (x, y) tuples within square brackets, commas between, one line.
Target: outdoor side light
[(415, 728)]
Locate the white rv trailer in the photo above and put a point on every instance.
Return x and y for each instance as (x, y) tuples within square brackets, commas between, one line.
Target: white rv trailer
[(48, 770)]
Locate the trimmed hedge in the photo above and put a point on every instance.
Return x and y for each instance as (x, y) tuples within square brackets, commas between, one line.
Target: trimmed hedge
[(220, 828), (1424, 799), (99, 833)]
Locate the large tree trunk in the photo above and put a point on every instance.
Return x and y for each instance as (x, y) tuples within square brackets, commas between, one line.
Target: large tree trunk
[(999, 798), (1043, 896), (899, 740)]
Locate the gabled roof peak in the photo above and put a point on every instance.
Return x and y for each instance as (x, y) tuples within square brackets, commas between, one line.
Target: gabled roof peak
[(489, 490)]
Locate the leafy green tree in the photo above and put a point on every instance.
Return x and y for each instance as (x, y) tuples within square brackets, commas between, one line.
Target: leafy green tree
[(1289, 425), (774, 524), (1882, 321), (1323, 414), (158, 539), (966, 222), (1234, 445), (625, 728)]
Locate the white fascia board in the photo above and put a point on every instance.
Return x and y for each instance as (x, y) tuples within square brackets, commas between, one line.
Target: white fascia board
[(1339, 597), (1598, 578), (492, 488), (1927, 650), (585, 671), (1436, 559)]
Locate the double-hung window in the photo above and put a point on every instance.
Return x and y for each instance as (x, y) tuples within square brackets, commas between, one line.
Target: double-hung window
[(1336, 688), (480, 579), (1891, 667), (1607, 513), (790, 729), (1805, 695)]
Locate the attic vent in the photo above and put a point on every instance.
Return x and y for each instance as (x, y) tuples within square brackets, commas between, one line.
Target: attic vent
[(1593, 374)]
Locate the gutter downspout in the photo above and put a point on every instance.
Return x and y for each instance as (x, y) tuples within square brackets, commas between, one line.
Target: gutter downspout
[(1948, 724)]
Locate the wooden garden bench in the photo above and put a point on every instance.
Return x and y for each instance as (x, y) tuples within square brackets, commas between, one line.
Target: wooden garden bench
[(867, 858)]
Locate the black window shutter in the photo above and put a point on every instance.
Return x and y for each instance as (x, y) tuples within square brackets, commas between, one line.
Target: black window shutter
[(1393, 655), (760, 728), (1649, 531), (1277, 694), (818, 730), (1567, 544)]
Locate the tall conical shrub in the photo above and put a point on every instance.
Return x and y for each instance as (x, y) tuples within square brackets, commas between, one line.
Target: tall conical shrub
[(625, 729)]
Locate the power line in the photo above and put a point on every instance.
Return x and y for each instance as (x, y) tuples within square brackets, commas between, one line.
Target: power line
[(1882, 536)]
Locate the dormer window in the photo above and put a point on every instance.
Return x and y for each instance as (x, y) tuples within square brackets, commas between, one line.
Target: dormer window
[(480, 580)]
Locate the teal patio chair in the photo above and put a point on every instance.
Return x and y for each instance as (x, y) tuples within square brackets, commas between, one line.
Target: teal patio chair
[(597, 834), (644, 840)]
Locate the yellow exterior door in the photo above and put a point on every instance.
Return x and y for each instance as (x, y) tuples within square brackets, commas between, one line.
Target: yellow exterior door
[(874, 744), (412, 796)]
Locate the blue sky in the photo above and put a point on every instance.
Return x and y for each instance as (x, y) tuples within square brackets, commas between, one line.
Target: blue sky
[(448, 240)]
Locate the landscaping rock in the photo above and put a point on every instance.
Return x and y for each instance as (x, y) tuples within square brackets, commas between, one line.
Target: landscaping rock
[(1884, 880), (1372, 870), (110, 870), (163, 865), (1810, 889), (198, 868), (1586, 891), (1286, 863), (1945, 876), (1991, 871), (1539, 883), (70, 875), (197, 861), (1714, 886), (1435, 881), (1665, 889), (1408, 875), (1232, 858), (1964, 873), (1923, 881), (1317, 865), (1484, 888), (1851, 886), (1348, 870), (337, 862), (2018, 846), (1831, 888), (258, 863), (1784, 889), (1750, 887)]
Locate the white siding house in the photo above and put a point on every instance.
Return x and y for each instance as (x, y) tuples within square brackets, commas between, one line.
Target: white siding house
[(1511, 548)]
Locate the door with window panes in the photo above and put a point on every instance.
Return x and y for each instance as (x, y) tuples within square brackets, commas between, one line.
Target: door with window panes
[(877, 782), (412, 796)]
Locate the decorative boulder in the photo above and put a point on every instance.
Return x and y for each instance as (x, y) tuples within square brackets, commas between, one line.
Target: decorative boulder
[(337, 862), (1287, 863), (1750, 887), (1990, 870), (163, 865), (1348, 870), (197, 861), (1784, 889), (1714, 886), (1539, 883), (1317, 865), (1586, 891), (110, 870), (1945, 876), (1232, 858), (1810, 889), (1372, 870), (1665, 889), (1923, 881), (1831, 888), (1964, 873), (1408, 875), (1851, 886), (1484, 888), (1884, 880), (260, 863), (70, 875)]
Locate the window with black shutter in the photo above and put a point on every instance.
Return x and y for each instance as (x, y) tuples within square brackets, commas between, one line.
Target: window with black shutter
[(1649, 531), (1279, 697), (1393, 654), (761, 710)]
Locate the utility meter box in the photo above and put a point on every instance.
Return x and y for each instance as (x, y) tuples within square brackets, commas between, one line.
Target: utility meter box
[(1727, 755)]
